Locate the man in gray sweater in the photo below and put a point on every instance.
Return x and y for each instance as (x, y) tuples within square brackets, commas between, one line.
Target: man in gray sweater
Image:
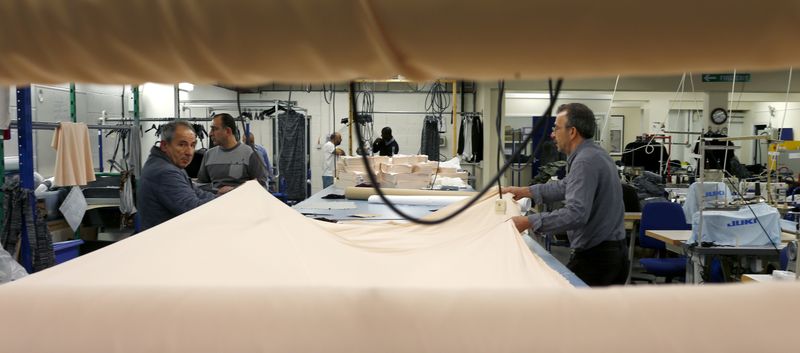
[(166, 190), (230, 163), (593, 212)]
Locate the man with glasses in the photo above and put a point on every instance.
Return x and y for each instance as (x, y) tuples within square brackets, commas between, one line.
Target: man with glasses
[(593, 212), (230, 162)]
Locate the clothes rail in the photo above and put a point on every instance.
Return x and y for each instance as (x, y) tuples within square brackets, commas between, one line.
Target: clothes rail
[(421, 113), (49, 125), (143, 120)]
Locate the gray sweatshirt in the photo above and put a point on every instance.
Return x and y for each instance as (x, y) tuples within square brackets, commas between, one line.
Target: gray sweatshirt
[(593, 211), (231, 167)]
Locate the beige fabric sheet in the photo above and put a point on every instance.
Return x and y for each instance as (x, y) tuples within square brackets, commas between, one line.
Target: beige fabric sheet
[(263, 278), (73, 155), (131, 41)]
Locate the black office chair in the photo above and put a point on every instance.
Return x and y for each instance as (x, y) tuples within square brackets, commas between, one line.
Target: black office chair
[(630, 197), (194, 167)]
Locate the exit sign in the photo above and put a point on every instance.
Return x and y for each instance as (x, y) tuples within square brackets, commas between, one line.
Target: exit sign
[(725, 77)]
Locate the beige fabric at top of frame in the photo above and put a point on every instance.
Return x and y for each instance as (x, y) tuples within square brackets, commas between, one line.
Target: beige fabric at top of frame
[(258, 41)]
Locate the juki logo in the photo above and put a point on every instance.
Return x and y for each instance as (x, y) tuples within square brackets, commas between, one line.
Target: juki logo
[(715, 193), (742, 222)]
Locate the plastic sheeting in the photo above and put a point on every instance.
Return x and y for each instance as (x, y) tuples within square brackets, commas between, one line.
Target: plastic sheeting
[(116, 41), (10, 269), (754, 225), (715, 192)]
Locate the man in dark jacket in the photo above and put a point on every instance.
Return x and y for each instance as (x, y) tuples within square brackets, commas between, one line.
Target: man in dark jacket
[(385, 145), (166, 190)]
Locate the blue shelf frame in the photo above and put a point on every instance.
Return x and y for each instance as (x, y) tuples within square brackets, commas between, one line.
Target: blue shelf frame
[(25, 144)]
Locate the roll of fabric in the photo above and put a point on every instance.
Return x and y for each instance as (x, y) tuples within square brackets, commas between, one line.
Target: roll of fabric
[(418, 200), (355, 193)]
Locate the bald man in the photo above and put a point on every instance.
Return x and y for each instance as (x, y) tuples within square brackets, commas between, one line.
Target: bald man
[(329, 154)]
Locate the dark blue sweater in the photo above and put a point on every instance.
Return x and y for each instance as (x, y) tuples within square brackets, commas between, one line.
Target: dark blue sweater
[(166, 191)]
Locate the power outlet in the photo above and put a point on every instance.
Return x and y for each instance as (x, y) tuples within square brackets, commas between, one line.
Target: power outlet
[(500, 206)]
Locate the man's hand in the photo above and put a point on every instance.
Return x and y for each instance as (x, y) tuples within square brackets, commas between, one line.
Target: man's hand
[(522, 223), (518, 191), (224, 190)]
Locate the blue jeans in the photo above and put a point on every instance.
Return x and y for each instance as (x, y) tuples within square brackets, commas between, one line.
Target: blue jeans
[(327, 181)]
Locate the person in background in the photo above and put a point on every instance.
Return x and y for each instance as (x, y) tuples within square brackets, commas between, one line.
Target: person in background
[(385, 145), (329, 152), (593, 212), (230, 163), (262, 152), (165, 189)]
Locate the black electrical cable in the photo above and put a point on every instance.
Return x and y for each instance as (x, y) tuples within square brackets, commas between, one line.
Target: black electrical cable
[(437, 100), (367, 98), (373, 180), (501, 87), (241, 117)]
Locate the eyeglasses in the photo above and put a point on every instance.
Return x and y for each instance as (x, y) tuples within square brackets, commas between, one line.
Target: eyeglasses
[(556, 127)]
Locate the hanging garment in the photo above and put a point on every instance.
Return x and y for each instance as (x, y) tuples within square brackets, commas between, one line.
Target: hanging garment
[(73, 155), (470, 139), (127, 206), (477, 139), (291, 162), (18, 214), (134, 154), (194, 166), (465, 145), (430, 138)]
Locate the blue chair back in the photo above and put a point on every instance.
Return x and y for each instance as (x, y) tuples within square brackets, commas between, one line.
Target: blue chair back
[(660, 216), (783, 258)]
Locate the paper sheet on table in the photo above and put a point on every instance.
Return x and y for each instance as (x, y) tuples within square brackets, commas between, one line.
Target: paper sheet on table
[(74, 207)]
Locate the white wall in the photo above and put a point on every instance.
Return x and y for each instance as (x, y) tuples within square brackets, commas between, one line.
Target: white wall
[(158, 100), (50, 103), (405, 128), (759, 113)]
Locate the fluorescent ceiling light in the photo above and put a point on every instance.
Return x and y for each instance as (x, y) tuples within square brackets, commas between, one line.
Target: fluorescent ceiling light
[(185, 86), (586, 96)]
